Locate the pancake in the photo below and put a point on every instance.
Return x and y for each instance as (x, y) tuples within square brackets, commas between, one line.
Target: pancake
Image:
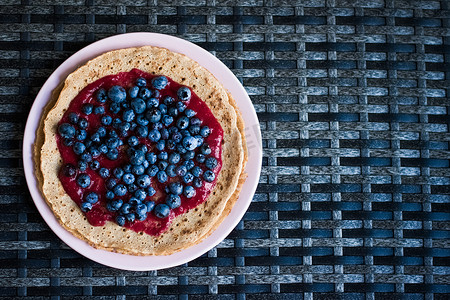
[(186, 229)]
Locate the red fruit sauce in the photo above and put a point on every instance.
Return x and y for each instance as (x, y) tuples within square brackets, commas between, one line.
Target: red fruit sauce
[(99, 214)]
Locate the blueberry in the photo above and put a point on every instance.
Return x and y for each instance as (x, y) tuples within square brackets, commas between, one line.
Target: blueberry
[(189, 155), (162, 108), (130, 217), (153, 115), (101, 96), (177, 137), (112, 143), (126, 208), (188, 177), (99, 110), (180, 106), (194, 129), (197, 171), (154, 135), (112, 133), (151, 191), (145, 93), (132, 188), (142, 147), (198, 183), (87, 108), (168, 100), (87, 157), (123, 128), (164, 133), (205, 149), (101, 131), (174, 158), (120, 220), (140, 194), (81, 135), (138, 170), (172, 112), (209, 176), (103, 148), (142, 217), (176, 188), (141, 131), (66, 130), (112, 154), (82, 165), (138, 105), (103, 172), (141, 209), (181, 149), (190, 143), (152, 102), (116, 204), (133, 91), (134, 201), (91, 197), (120, 190), (69, 170), (157, 126), (79, 148), (184, 93), (114, 108), (128, 115), (86, 206), (133, 141), (109, 195), (211, 163), (171, 144), (136, 157), (68, 142), (183, 122), (117, 94), (159, 82), (185, 133), (150, 205), (189, 113), (170, 170), (173, 201), (189, 192), (151, 157), (94, 165), (95, 137), (163, 155), (196, 121), (162, 165), (200, 158), (161, 176), (128, 178), (143, 181), (111, 183), (141, 120), (160, 145), (152, 170), (106, 120), (162, 211), (189, 164), (200, 140), (73, 118), (181, 170), (140, 81), (83, 180)]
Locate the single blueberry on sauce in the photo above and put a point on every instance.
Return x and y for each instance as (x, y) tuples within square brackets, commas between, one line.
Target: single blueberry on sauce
[(138, 150)]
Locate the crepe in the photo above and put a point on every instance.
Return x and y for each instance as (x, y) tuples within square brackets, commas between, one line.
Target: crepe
[(186, 229)]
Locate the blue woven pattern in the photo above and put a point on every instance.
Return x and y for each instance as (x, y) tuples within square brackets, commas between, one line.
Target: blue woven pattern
[(353, 103)]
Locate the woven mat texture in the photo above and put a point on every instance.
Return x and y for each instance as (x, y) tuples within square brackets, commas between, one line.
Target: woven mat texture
[(353, 103)]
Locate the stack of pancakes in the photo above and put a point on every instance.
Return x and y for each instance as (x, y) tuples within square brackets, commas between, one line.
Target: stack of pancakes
[(185, 230)]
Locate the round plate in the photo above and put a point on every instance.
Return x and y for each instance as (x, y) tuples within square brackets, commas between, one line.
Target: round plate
[(252, 134)]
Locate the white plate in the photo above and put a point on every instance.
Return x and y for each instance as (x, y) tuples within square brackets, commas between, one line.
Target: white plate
[(252, 133)]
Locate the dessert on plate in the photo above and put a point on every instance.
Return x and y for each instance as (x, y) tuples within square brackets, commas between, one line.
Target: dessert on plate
[(141, 151)]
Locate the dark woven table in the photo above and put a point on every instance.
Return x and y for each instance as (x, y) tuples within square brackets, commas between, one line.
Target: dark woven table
[(353, 104)]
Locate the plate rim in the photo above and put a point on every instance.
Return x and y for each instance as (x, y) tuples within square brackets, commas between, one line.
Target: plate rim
[(128, 40)]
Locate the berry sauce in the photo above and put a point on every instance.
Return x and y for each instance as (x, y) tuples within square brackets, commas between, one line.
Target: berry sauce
[(99, 214)]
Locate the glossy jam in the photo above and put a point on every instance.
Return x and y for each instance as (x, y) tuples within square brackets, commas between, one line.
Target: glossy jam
[(99, 214)]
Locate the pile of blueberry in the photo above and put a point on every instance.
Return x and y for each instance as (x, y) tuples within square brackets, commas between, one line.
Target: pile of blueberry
[(128, 119)]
